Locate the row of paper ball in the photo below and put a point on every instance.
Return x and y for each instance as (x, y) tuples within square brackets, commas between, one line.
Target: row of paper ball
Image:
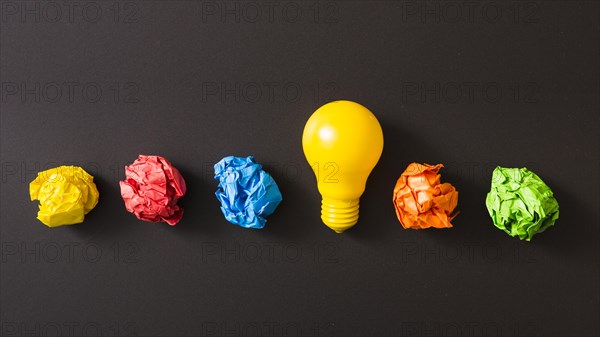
[(519, 202)]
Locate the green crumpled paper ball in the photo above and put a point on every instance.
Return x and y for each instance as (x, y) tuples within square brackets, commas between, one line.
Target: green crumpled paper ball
[(520, 203)]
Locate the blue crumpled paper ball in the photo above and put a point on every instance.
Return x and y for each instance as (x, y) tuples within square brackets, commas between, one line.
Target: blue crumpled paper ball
[(247, 193)]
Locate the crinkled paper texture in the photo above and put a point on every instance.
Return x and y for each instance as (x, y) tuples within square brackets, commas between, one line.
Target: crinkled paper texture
[(421, 201), (247, 193), (66, 195), (520, 203), (152, 188)]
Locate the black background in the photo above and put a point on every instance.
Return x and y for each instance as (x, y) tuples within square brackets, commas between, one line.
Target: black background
[(534, 72)]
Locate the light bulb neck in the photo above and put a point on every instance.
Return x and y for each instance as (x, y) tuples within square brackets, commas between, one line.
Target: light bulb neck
[(339, 215)]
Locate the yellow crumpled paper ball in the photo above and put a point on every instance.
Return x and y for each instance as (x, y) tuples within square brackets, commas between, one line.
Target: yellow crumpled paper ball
[(66, 195)]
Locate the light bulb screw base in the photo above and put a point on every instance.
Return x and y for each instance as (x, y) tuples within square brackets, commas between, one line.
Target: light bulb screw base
[(339, 215)]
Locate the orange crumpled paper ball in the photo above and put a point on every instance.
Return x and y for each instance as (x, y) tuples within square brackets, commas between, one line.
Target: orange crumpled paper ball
[(421, 201)]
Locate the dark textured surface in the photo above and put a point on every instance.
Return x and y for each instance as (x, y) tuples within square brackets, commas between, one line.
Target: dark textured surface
[(168, 61)]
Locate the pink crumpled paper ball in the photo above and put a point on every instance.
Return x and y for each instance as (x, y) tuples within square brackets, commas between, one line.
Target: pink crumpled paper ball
[(152, 188)]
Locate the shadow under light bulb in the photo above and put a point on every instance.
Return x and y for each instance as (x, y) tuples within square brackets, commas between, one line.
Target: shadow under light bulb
[(342, 142)]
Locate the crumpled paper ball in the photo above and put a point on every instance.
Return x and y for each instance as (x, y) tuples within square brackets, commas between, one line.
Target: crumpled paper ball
[(520, 203), (421, 201), (66, 195), (151, 189), (247, 193)]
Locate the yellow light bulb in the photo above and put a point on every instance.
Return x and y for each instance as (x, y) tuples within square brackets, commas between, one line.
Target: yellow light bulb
[(342, 142)]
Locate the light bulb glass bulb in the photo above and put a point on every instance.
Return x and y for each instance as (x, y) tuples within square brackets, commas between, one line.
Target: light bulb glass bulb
[(342, 142)]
